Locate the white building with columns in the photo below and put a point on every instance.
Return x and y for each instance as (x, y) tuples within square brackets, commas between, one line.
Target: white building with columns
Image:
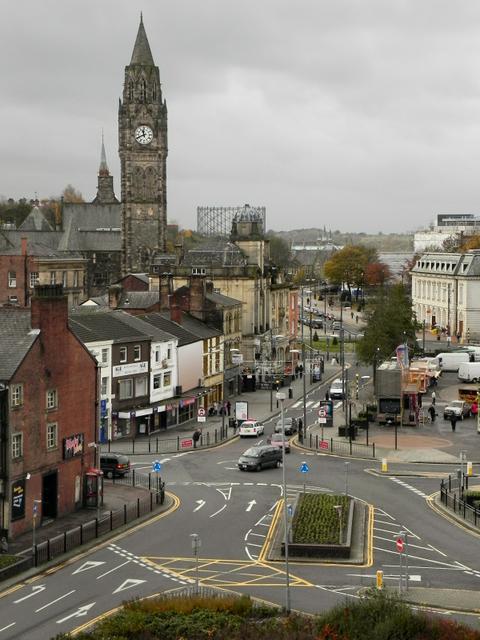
[(446, 292)]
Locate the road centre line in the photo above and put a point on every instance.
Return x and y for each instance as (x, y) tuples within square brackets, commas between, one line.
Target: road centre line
[(219, 511), (8, 626), (54, 601), (114, 569)]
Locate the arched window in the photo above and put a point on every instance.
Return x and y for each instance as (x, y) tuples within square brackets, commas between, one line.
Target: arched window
[(143, 90), (154, 91), (150, 183), (130, 90)]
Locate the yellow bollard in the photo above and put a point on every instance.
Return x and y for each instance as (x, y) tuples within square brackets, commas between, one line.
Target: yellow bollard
[(379, 579), (469, 469), (384, 465)]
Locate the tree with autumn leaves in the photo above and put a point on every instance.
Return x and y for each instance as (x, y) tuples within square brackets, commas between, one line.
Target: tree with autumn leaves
[(356, 266)]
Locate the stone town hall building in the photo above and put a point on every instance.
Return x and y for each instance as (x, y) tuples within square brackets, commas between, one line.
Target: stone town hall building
[(113, 237)]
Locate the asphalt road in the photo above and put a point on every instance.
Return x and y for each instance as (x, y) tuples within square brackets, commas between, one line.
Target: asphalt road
[(232, 511)]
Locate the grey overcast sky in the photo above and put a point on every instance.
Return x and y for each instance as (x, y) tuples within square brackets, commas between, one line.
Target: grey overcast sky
[(361, 115)]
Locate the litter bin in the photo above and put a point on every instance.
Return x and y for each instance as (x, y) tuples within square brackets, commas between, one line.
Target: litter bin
[(290, 392)]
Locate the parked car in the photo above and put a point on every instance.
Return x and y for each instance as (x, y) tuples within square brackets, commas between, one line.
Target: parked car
[(336, 326), (258, 458), (290, 426), (277, 440), (251, 428), (114, 465), (336, 389), (459, 408)]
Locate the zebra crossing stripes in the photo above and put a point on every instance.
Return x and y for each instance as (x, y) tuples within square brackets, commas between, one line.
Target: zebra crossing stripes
[(408, 486), (310, 404)]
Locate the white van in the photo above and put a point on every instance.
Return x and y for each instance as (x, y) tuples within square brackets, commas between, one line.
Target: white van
[(472, 350), (452, 361), (469, 372)]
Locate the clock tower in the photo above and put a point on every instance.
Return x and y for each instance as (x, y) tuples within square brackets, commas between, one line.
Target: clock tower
[(142, 134)]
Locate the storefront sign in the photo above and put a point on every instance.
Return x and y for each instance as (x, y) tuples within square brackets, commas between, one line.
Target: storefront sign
[(73, 446), (129, 369), (18, 500), (186, 402)]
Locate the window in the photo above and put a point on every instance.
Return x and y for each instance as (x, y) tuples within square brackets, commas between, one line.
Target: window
[(64, 278), (140, 386), (167, 379), (157, 355), (33, 279), (12, 279), (123, 354), (104, 356), (157, 381), (169, 352), (75, 278), (52, 436), (199, 271), (137, 352), (17, 445), (125, 389), (16, 395), (52, 400), (13, 299), (104, 387)]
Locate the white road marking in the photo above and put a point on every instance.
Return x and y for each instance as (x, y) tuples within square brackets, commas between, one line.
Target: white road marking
[(252, 558), (112, 570), (252, 544), (35, 590), (250, 505), (408, 486), (219, 511), (54, 601), (226, 494), (90, 564), (247, 534), (437, 550), (260, 535), (12, 624), (81, 611), (128, 584), (201, 503)]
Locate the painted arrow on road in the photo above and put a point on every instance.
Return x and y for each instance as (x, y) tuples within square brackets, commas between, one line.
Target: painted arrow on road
[(201, 503), (81, 611), (250, 505), (128, 584), (38, 589)]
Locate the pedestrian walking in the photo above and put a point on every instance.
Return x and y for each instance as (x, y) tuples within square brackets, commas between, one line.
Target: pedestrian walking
[(431, 411), (229, 407), (327, 395), (459, 335), (434, 397), (453, 422), (356, 319), (297, 371), (300, 426), (300, 370)]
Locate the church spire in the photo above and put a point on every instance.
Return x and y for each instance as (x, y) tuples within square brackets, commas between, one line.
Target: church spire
[(103, 169), (141, 50)]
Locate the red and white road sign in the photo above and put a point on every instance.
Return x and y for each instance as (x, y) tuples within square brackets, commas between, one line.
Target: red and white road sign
[(323, 444), (201, 411), (322, 413), (400, 543), (186, 444)]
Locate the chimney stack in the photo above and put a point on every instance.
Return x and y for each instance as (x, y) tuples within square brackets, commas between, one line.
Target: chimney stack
[(24, 246), (49, 308), (114, 296)]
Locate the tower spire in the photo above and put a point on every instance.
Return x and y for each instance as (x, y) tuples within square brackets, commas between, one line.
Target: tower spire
[(141, 49), (103, 169)]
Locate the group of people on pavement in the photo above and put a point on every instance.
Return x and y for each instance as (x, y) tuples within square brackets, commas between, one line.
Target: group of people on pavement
[(218, 409)]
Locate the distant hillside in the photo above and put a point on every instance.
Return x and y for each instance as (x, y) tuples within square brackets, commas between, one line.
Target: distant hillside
[(385, 242)]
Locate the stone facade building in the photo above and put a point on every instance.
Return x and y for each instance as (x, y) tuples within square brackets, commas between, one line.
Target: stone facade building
[(142, 134)]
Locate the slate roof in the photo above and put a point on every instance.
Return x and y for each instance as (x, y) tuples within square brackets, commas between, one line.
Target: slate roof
[(195, 326), (215, 253), (135, 322), (221, 300), (91, 227), (11, 241), (102, 325), (16, 339), (162, 322), (35, 221)]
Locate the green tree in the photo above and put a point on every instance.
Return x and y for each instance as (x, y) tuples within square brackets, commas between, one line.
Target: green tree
[(349, 265), (390, 321), (279, 250)]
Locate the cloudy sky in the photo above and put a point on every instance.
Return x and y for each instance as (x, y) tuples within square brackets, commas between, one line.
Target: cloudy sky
[(354, 114)]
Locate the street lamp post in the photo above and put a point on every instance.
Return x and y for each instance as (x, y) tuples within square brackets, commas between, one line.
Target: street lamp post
[(281, 397), (339, 510), (34, 526), (196, 543), (347, 464)]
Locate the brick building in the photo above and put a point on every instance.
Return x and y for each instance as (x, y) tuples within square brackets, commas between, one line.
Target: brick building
[(48, 412)]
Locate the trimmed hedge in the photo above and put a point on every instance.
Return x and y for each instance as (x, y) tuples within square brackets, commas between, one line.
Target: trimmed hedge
[(316, 521)]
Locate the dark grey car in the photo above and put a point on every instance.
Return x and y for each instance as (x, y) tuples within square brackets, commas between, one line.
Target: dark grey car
[(258, 458), (114, 465), (290, 426)]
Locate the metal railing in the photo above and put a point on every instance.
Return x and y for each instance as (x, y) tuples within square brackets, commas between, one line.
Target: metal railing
[(451, 495), (166, 445), (348, 448), (58, 545)]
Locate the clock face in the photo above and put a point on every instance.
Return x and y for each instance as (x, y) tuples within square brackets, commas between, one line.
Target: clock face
[(143, 134)]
